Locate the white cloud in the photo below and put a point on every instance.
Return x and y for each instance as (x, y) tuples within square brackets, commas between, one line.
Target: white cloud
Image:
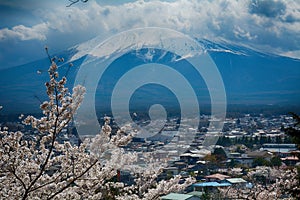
[(240, 33), (21, 32), (234, 21)]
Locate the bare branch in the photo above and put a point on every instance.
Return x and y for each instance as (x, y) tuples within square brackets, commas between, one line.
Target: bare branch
[(76, 1)]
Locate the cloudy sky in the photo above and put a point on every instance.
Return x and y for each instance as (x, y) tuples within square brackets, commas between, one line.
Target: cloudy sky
[(26, 26)]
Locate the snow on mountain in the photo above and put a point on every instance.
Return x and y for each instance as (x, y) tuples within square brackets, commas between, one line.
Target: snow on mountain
[(153, 39)]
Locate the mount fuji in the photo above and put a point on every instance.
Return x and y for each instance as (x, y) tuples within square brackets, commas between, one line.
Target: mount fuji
[(250, 77)]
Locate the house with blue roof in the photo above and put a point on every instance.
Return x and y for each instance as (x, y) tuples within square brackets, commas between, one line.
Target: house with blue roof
[(210, 186), (177, 196)]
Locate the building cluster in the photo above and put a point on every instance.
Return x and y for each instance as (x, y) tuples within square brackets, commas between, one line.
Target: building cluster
[(244, 143)]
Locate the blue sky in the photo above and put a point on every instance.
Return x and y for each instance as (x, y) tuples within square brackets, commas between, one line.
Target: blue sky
[(26, 26)]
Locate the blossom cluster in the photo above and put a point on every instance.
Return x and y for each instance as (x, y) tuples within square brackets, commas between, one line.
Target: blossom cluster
[(268, 183)]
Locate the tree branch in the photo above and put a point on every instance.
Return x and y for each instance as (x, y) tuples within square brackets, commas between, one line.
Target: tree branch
[(76, 1), (73, 181), (19, 179)]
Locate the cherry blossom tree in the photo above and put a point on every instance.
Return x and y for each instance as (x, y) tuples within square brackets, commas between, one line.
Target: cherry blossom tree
[(43, 168)]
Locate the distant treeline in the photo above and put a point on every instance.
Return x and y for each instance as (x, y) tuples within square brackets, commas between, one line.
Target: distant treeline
[(250, 141), (238, 110), (233, 111)]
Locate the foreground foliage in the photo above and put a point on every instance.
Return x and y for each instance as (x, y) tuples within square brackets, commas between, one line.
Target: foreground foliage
[(268, 183), (43, 168)]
